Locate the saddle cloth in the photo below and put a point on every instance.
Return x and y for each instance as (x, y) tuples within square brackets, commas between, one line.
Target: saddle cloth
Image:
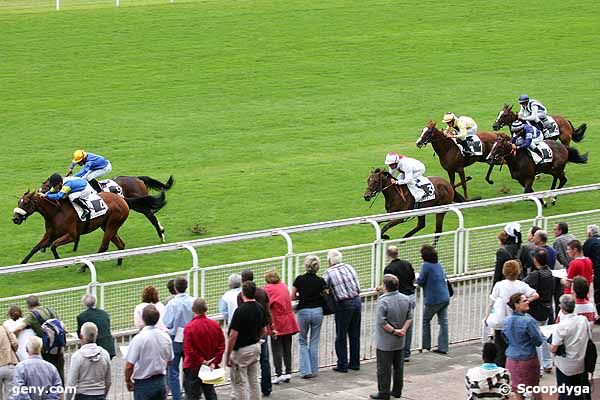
[(95, 204), (110, 186), (474, 143), (546, 151), (422, 184), (551, 133)]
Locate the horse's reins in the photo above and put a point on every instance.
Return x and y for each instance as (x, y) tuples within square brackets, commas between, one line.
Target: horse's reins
[(386, 188)]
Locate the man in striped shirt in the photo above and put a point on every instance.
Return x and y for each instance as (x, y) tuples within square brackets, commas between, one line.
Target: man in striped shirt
[(343, 282)]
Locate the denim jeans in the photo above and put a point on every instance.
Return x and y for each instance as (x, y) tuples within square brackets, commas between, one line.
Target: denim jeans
[(79, 396), (150, 389), (265, 369), (310, 320), (409, 332), (347, 326), (441, 310), (173, 371), (543, 352)]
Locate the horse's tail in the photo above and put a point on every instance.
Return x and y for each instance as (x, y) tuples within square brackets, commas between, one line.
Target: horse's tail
[(575, 157), (458, 198), (579, 132), (144, 204), (152, 183)]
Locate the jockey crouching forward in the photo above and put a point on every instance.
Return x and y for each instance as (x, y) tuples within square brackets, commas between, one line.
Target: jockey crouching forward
[(94, 166), (461, 129), (406, 171), (526, 137), (76, 189), (534, 112)]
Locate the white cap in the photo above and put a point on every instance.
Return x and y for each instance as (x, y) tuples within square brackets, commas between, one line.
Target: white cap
[(392, 158), (512, 228)]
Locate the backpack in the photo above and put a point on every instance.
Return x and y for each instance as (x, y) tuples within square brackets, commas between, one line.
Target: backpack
[(54, 335)]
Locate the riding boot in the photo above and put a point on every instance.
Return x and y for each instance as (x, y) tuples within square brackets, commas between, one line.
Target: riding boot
[(84, 207), (94, 183)]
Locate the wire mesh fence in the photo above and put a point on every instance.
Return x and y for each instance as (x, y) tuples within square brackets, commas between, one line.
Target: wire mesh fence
[(410, 250)]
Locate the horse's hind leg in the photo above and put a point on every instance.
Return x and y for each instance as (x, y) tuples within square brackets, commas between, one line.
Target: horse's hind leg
[(439, 226), (552, 187), (160, 230), (75, 245), (117, 241), (420, 225), (463, 181), (387, 226)]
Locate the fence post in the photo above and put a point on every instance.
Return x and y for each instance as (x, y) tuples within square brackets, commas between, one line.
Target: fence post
[(57, 5), (378, 245), (195, 268), (289, 257), (93, 277), (460, 233), (539, 219)]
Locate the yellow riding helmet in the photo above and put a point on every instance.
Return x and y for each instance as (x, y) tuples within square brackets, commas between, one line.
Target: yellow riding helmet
[(79, 155), (448, 117)]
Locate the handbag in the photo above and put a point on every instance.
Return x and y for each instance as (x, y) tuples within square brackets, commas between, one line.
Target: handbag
[(591, 355), (450, 289), (329, 304), (497, 315)]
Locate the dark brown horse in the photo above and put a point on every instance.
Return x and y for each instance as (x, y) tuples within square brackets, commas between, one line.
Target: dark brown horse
[(399, 198), (523, 169), (451, 158), (64, 226), (567, 132)]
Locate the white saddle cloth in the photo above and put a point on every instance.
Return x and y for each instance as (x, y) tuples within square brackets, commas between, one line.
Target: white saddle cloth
[(552, 132), (475, 145), (546, 151), (110, 186), (423, 190), (95, 204)]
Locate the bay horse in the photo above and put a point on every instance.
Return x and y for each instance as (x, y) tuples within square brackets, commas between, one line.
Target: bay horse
[(567, 132), (451, 158), (523, 169), (399, 198)]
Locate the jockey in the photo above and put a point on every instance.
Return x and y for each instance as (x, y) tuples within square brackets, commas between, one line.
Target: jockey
[(526, 137), (460, 128), (534, 112), (406, 170), (76, 189), (94, 166)]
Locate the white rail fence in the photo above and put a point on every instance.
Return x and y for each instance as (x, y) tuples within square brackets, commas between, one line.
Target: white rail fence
[(463, 250)]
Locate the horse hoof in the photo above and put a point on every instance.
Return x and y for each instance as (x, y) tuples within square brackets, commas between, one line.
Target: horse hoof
[(490, 182), (385, 237), (82, 268), (163, 239), (42, 250)]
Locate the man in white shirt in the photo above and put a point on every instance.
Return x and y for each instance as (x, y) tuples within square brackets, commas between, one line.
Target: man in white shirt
[(149, 354), (229, 302)]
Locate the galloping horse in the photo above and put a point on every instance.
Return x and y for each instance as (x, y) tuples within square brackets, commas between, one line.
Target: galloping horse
[(523, 169), (451, 158), (399, 198), (64, 226), (567, 132)]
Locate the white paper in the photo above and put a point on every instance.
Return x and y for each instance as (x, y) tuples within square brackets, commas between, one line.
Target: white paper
[(559, 273), (208, 374), (124, 350), (179, 335), (547, 330)]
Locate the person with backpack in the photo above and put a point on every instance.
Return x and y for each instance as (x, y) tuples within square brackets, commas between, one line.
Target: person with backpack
[(48, 327)]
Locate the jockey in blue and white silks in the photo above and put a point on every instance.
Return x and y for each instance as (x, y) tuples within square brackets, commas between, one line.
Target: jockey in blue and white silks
[(406, 171), (534, 112), (526, 137), (94, 167), (76, 189)]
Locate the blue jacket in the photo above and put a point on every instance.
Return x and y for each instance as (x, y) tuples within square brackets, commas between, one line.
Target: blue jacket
[(92, 163), (69, 186), (433, 280), (529, 132), (522, 335)]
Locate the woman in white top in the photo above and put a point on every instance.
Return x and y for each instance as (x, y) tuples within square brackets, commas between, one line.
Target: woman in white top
[(500, 295), (149, 296), (15, 317)]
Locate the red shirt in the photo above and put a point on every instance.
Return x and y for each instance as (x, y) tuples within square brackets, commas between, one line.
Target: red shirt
[(203, 339), (580, 266)]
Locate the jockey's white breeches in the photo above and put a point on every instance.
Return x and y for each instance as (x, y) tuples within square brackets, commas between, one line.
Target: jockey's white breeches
[(97, 173), (472, 131), (82, 194)]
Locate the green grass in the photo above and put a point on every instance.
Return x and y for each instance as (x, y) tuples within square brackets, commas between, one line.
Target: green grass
[(271, 113)]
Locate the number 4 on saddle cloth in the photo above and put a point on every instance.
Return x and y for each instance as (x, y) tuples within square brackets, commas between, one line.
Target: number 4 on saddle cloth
[(95, 205)]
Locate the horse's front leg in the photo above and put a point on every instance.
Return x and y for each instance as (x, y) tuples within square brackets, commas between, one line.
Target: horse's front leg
[(463, 182), (489, 175), (41, 245), (420, 225), (387, 226), (64, 239)]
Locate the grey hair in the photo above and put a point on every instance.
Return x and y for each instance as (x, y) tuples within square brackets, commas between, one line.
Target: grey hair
[(334, 256), (392, 251), (312, 264), (541, 235), (235, 281), (33, 345), (89, 301), (567, 303), (89, 332), (593, 230)]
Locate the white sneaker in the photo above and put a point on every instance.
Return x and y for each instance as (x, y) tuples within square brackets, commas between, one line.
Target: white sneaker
[(277, 380), (286, 378)]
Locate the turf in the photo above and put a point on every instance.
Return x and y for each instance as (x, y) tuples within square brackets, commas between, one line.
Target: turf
[(271, 113)]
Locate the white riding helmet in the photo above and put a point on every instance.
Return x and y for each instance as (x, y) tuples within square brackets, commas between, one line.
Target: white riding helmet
[(448, 117), (392, 158)]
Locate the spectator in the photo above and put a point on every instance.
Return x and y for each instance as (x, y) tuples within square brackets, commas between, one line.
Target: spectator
[(36, 372), (177, 314), (591, 249), (203, 344), (563, 237), (243, 347), (542, 281), (284, 323), (487, 380), (228, 303), (307, 289), (149, 354), (501, 293), (343, 282), (510, 249), (101, 320), (149, 296), (15, 318), (172, 292), (540, 239), (530, 236), (35, 319), (436, 298), (262, 298), (573, 332), (582, 303), (8, 361), (522, 336), (579, 265), (403, 270), (393, 317), (89, 371)]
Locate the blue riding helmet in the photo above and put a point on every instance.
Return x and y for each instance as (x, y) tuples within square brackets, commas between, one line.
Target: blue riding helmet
[(523, 98), (516, 126)]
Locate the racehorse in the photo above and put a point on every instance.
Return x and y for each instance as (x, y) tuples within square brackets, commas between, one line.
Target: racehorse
[(451, 158), (399, 198), (523, 169), (567, 132), (64, 226)]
